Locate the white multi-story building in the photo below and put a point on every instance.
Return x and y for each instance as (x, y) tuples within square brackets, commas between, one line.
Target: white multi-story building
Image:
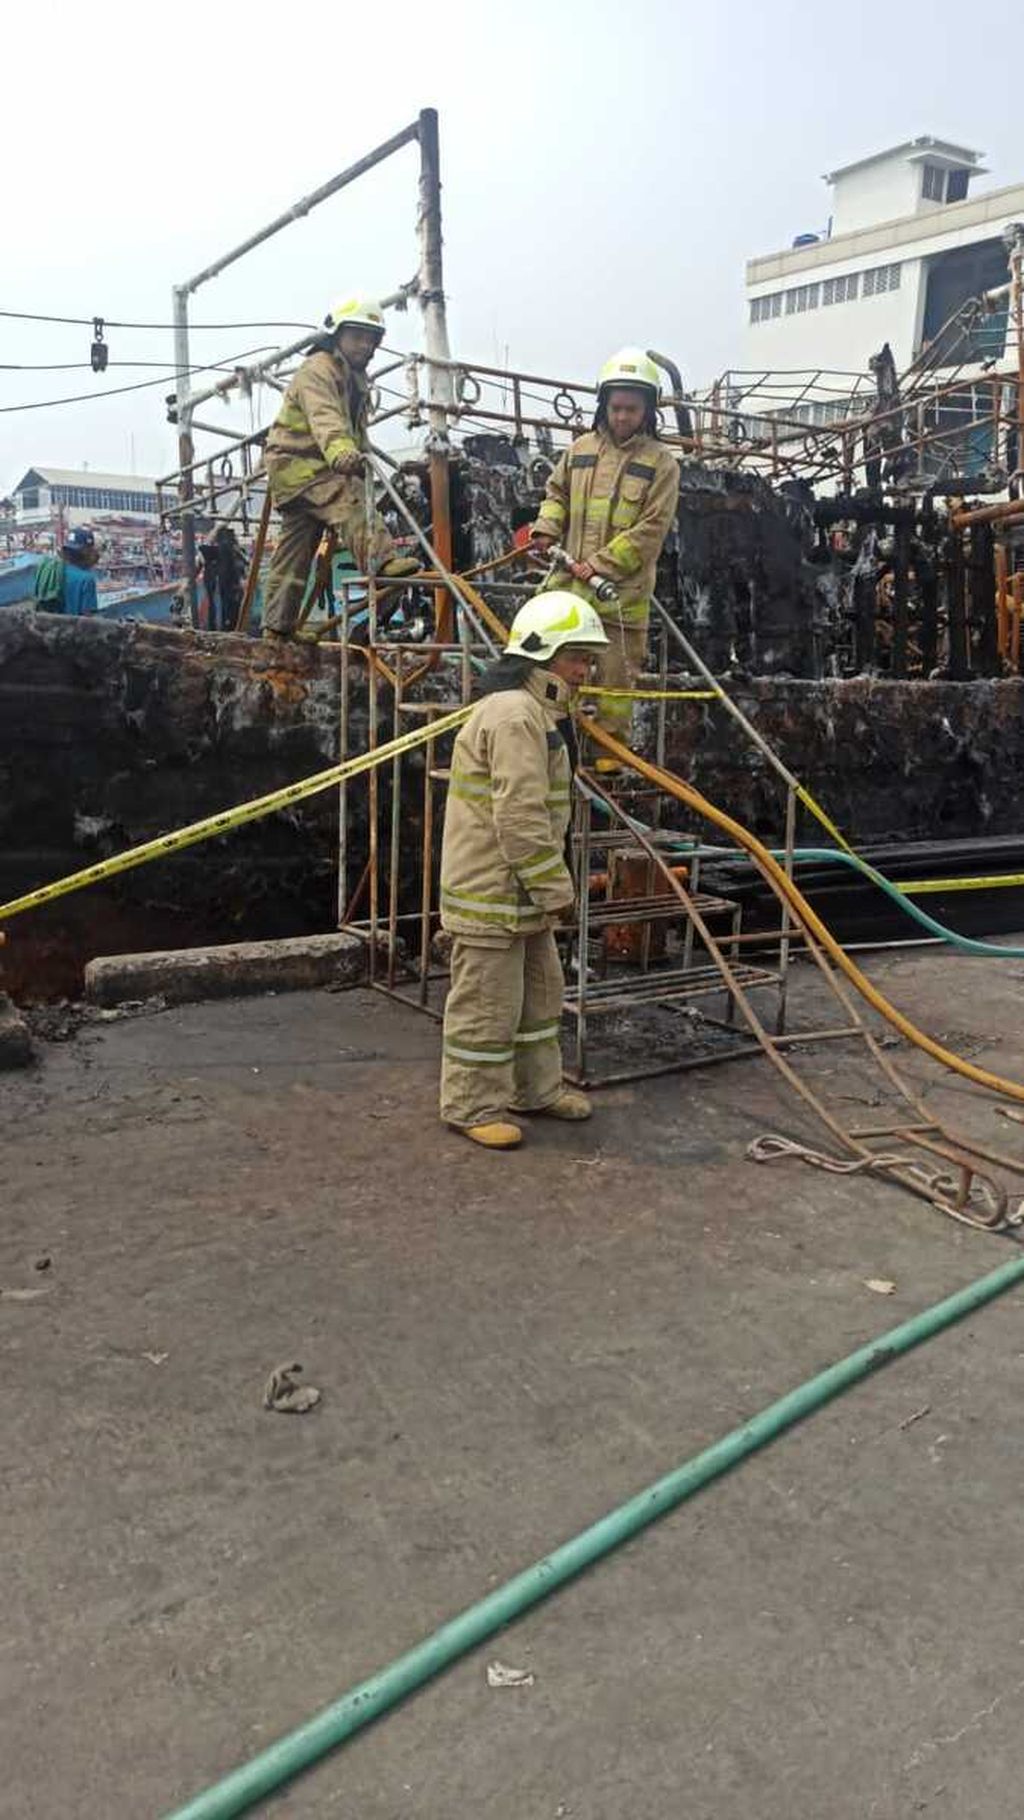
[(907, 244)]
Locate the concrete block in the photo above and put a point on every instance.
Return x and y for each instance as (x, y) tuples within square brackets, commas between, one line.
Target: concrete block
[(182, 976), (15, 1041)]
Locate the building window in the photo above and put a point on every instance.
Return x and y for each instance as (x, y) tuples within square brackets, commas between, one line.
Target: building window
[(881, 278), (956, 185), (840, 290), (30, 499), (764, 309), (802, 297), (933, 183)]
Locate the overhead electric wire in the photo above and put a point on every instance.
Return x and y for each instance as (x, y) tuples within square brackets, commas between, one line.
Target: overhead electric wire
[(209, 366), (109, 322), (86, 366)]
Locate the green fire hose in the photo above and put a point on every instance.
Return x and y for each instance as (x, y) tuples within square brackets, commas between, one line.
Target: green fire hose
[(367, 1701), (966, 943), (897, 893)]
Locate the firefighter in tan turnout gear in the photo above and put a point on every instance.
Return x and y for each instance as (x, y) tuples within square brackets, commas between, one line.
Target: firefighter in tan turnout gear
[(609, 503), (505, 884), (315, 463)]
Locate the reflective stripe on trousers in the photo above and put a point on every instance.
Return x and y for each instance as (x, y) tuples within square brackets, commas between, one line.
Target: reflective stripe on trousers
[(302, 526), (619, 663), (501, 1029)]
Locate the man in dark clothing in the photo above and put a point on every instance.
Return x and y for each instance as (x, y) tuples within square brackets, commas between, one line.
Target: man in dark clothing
[(224, 573)]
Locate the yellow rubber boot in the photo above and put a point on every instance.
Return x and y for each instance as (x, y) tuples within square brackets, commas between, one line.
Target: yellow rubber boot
[(495, 1136), (569, 1105), (401, 565)]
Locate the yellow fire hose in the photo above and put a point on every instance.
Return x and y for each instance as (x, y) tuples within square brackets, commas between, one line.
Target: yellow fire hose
[(684, 793)]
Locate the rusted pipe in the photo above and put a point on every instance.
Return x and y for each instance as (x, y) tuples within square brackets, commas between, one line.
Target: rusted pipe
[(252, 579), (1004, 513)]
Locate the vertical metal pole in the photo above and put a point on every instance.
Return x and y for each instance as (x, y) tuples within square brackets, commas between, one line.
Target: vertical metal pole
[(583, 935), (956, 612), (694, 888), (780, 1020), (343, 688), (466, 670), (1002, 603), (661, 722), (427, 865), (395, 852), (183, 412), (436, 349), (1017, 267), (373, 682), (900, 601)]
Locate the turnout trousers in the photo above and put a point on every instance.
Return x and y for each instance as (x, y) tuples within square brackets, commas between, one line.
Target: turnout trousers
[(336, 503), (619, 663), (501, 1025)]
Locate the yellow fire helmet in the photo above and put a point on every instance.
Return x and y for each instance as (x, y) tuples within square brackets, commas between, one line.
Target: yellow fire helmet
[(549, 622), (356, 313), (630, 367)]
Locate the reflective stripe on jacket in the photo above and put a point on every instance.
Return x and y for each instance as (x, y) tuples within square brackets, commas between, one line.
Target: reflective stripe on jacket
[(503, 869), (323, 417), (613, 505)]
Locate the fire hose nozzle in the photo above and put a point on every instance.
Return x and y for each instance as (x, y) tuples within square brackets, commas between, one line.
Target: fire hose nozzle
[(600, 587)]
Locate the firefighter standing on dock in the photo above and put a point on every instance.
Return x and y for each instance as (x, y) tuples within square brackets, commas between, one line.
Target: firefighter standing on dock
[(610, 502), (315, 464), (505, 883)]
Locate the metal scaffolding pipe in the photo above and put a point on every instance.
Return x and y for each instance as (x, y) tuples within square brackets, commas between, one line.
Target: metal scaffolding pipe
[(306, 203), (438, 353), (185, 403), (1007, 512)]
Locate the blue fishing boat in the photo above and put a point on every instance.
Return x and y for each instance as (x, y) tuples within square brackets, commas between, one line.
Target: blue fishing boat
[(17, 577)]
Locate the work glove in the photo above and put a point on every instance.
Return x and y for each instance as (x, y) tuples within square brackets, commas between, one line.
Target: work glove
[(350, 464)]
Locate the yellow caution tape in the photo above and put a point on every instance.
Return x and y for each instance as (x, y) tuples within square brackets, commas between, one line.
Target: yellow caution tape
[(234, 818), (653, 694), (918, 886), (820, 816)]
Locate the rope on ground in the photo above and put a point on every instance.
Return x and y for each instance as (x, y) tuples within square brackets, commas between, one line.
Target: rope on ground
[(771, 1146)]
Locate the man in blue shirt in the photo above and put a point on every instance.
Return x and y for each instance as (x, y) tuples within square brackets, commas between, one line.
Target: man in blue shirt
[(65, 583)]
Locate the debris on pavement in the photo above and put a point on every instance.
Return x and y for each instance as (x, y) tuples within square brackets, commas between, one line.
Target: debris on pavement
[(880, 1285), (282, 1393), (499, 1674)]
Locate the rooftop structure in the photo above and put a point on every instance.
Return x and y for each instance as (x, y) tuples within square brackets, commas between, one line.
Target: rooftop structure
[(81, 496), (906, 246)]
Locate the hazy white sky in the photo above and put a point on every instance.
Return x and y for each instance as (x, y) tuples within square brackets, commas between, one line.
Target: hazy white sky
[(608, 167)]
